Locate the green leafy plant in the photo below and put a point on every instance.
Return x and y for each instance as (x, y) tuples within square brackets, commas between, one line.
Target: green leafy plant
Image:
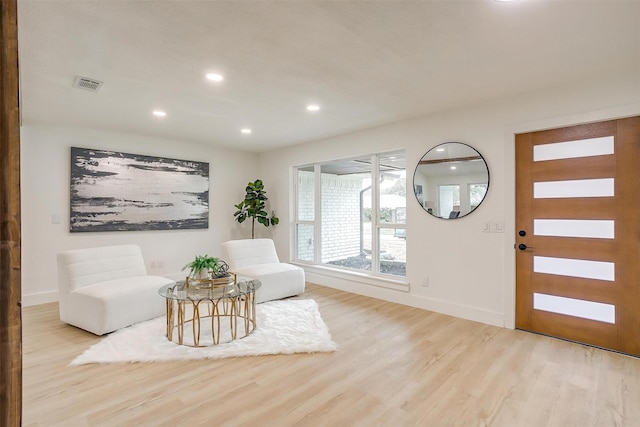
[(254, 206), (204, 262)]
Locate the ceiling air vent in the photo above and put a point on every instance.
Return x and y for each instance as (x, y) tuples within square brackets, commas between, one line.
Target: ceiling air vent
[(87, 84)]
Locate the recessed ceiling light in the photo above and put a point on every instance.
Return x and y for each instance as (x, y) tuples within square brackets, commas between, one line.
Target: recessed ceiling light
[(159, 113), (245, 131), (313, 107), (454, 168), (440, 149), (215, 77)]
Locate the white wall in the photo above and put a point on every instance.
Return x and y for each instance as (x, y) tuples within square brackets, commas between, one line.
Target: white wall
[(45, 162), (470, 273)]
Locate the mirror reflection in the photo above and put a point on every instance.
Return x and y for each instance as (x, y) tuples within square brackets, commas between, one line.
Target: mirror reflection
[(451, 180)]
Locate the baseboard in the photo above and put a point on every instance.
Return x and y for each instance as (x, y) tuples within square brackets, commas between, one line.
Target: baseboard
[(397, 296), (406, 298), (40, 298), (333, 274)]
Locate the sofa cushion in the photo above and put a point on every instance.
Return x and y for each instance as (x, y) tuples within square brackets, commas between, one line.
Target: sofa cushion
[(107, 306), (123, 287)]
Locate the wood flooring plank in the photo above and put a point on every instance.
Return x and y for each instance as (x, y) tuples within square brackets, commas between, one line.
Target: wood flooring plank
[(395, 366)]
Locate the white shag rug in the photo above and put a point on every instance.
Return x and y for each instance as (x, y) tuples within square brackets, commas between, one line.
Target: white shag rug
[(284, 327)]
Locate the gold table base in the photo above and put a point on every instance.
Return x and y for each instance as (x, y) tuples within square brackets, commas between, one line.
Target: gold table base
[(238, 311)]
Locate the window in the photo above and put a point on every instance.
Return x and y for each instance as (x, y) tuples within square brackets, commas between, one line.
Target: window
[(305, 214), (448, 199), (349, 220), (476, 194)]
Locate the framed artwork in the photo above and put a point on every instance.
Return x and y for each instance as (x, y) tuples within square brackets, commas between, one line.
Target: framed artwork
[(112, 191)]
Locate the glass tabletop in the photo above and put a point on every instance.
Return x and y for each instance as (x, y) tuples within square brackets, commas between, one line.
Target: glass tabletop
[(180, 292)]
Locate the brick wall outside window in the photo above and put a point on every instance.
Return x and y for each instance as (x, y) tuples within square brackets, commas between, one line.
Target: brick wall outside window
[(340, 204)]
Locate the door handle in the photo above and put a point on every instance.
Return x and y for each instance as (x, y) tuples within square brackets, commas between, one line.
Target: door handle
[(523, 247)]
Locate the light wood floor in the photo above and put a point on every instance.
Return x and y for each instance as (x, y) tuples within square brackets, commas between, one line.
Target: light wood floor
[(396, 366)]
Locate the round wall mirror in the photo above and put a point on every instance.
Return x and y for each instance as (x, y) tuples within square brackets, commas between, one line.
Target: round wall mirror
[(451, 180)]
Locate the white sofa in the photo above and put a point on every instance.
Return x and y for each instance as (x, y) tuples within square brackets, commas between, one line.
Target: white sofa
[(107, 288), (257, 259)]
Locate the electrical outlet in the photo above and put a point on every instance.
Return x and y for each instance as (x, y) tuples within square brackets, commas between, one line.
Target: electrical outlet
[(497, 227), (425, 282)]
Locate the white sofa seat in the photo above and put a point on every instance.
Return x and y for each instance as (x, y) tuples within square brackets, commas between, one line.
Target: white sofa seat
[(258, 259), (107, 288)]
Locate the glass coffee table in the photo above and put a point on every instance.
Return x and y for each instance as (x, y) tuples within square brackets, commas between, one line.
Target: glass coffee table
[(228, 309)]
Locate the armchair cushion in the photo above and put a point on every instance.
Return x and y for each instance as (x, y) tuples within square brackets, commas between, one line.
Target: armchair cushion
[(241, 253), (257, 259)]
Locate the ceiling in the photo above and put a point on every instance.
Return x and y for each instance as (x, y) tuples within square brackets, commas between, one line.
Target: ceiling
[(366, 63)]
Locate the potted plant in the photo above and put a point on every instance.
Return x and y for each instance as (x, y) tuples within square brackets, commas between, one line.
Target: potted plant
[(253, 206), (205, 267)]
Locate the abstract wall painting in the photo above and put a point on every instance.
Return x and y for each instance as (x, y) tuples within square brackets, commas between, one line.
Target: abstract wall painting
[(112, 191)]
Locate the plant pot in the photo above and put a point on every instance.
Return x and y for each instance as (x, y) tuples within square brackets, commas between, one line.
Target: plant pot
[(203, 275)]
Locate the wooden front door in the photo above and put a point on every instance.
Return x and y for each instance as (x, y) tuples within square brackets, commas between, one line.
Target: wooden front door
[(578, 233)]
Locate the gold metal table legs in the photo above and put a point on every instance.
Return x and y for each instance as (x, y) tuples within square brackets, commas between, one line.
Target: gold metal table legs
[(223, 313)]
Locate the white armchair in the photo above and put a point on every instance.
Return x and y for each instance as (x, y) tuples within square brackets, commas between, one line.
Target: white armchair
[(257, 259), (107, 288)]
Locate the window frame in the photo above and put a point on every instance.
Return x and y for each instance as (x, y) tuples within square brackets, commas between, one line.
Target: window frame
[(439, 198), (376, 224)]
